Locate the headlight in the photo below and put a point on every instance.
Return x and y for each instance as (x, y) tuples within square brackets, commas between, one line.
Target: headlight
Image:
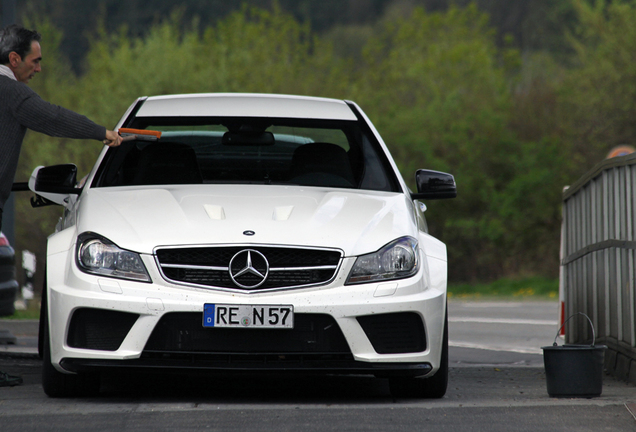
[(397, 260), (98, 255)]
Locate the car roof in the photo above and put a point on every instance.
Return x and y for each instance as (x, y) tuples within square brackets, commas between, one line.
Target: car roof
[(245, 105)]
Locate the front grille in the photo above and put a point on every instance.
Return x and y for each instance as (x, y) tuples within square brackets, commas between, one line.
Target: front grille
[(273, 267), (394, 333), (183, 332), (99, 329)]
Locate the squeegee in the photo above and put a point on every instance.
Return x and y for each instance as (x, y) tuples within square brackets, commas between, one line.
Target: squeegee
[(139, 134)]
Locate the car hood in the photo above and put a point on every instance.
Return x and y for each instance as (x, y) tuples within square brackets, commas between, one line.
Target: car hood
[(141, 219)]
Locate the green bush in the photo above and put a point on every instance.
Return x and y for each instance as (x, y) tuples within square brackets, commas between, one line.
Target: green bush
[(528, 288)]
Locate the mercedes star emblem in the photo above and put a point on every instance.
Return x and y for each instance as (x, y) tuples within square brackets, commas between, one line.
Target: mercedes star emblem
[(249, 268)]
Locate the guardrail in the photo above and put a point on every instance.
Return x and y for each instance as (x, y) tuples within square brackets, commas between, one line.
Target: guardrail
[(598, 247)]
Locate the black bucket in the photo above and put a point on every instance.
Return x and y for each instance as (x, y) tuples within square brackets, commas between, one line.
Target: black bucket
[(574, 370)]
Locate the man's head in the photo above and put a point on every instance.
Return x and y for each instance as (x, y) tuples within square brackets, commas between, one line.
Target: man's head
[(20, 51)]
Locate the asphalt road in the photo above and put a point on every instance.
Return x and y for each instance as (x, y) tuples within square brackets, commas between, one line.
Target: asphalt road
[(501, 333), (497, 383)]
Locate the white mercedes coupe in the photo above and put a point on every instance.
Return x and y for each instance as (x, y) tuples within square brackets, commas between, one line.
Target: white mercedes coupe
[(244, 232)]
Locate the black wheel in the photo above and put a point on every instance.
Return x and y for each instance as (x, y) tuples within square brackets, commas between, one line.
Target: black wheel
[(7, 305), (43, 318), (60, 385), (425, 388)]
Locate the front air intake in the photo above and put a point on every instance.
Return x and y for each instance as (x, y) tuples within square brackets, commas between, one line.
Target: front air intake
[(99, 329), (394, 333)]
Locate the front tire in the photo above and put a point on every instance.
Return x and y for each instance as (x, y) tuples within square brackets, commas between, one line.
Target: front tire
[(425, 388), (43, 318)]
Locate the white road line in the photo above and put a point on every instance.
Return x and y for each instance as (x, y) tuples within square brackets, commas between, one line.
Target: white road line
[(491, 305), (501, 321), (522, 350)]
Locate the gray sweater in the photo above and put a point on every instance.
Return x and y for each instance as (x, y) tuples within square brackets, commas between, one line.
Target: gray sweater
[(21, 109)]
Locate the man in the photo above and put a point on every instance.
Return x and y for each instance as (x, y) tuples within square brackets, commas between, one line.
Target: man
[(21, 109)]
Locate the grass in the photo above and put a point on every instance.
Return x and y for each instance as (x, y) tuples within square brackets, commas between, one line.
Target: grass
[(527, 288), (31, 312)]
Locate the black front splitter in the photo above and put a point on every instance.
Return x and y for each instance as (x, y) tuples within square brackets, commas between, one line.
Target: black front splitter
[(196, 362)]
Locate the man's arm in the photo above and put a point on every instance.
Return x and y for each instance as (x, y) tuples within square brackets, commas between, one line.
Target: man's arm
[(41, 116)]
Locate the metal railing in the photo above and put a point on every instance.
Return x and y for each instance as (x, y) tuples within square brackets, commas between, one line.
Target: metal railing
[(598, 246)]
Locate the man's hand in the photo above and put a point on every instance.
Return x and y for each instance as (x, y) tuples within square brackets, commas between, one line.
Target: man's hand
[(112, 139)]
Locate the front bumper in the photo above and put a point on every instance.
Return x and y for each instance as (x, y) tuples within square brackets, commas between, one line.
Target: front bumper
[(71, 291)]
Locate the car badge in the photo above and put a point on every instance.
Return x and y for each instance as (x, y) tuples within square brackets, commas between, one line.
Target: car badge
[(249, 233), (249, 268)]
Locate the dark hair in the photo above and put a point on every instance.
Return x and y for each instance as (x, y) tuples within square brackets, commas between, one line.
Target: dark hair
[(16, 38)]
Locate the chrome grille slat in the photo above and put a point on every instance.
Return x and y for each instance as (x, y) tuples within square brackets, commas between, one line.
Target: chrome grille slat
[(200, 267), (196, 267)]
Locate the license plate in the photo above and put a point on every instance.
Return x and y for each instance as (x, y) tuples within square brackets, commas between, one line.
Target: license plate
[(248, 316)]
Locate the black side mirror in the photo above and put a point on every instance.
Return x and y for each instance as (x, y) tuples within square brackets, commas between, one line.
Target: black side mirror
[(58, 179), (434, 185)]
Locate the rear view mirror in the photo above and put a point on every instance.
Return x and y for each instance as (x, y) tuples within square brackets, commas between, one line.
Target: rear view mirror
[(60, 179), (434, 185), (54, 184)]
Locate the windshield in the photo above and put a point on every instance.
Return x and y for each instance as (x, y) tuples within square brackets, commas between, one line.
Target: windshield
[(249, 151)]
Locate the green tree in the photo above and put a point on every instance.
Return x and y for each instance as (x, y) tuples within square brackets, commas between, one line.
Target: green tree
[(440, 89), (437, 87), (598, 96), (251, 50)]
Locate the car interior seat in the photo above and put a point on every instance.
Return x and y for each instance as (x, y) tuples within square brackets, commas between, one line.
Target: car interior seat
[(167, 163), (321, 164)]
